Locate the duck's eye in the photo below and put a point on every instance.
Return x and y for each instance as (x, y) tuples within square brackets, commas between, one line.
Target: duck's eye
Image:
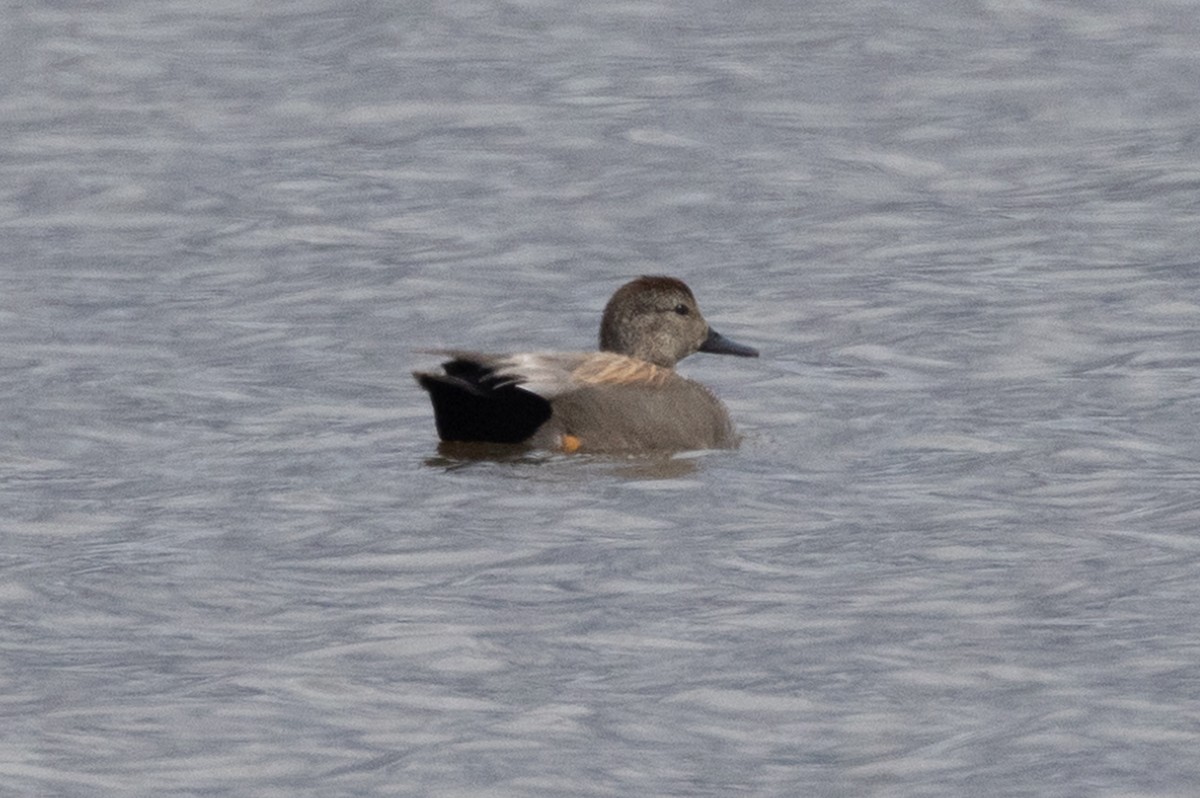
[(682, 309)]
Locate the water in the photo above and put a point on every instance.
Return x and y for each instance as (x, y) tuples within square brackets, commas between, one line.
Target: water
[(956, 553)]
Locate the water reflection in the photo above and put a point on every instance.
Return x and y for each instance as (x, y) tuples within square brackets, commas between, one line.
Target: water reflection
[(456, 454), (459, 455)]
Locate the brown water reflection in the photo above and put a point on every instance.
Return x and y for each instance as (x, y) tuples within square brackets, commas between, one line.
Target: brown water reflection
[(456, 455)]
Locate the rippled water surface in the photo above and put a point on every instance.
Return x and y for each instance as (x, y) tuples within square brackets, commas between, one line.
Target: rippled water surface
[(957, 553)]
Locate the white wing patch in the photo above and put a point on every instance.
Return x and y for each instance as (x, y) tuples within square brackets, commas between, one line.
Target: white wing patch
[(547, 374)]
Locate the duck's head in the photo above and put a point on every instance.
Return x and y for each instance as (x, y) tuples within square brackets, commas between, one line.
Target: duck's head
[(656, 319)]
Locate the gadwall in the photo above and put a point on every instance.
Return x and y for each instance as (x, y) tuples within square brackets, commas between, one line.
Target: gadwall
[(625, 398)]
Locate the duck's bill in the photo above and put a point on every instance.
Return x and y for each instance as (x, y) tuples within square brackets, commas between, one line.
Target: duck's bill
[(718, 344)]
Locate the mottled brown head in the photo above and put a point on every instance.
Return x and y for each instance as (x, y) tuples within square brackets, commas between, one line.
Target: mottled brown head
[(656, 319)]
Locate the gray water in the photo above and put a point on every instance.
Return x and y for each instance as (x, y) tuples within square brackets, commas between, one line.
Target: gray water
[(956, 554)]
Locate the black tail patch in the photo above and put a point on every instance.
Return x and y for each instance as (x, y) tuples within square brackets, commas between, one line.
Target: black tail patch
[(471, 403)]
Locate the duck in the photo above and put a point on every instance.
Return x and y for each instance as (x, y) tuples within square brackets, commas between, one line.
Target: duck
[(625, 397)]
